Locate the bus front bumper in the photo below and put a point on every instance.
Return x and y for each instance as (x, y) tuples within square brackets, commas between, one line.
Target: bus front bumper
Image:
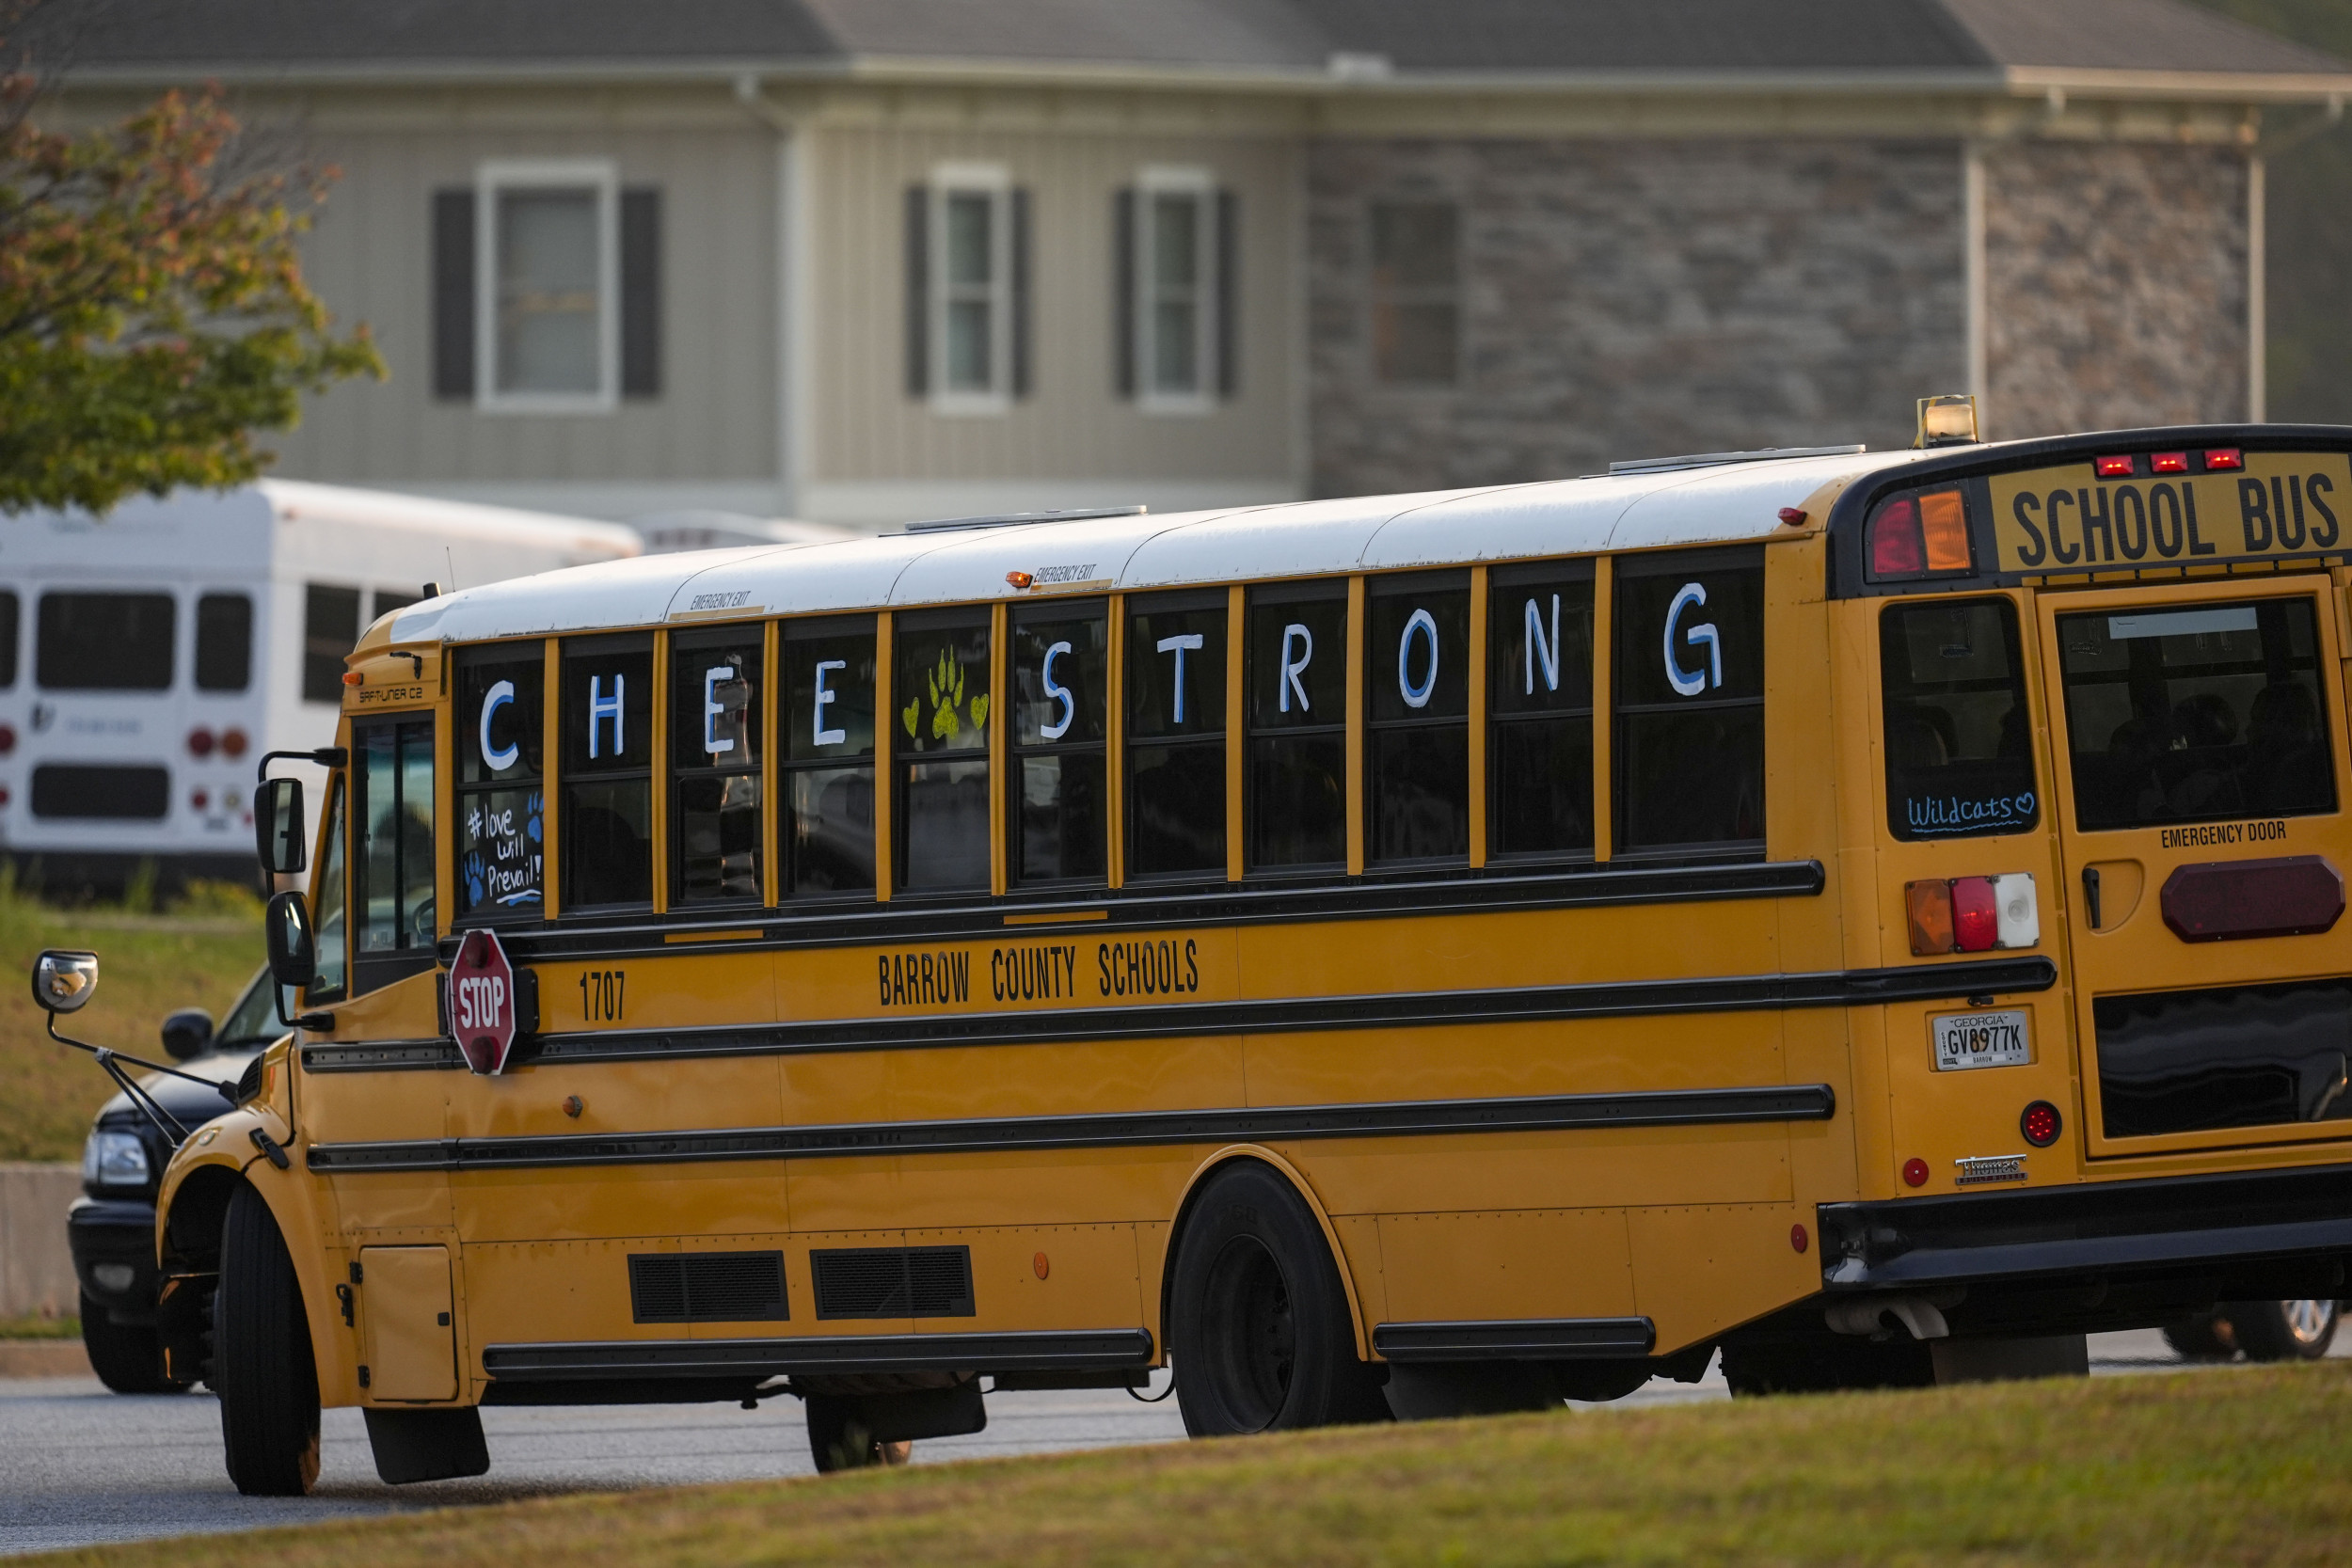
[(2241, 1236)]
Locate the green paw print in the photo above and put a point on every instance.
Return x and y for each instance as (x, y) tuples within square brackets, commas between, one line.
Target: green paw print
[(947, 684), (908, 717)]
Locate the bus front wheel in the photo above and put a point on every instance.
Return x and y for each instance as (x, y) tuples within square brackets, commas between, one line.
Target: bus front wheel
[(838, 1439), (262, 1365), (1259, 1326)]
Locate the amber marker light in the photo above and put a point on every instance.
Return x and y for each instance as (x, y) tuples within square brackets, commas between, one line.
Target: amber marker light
[(1914, 1172), (1019, 579), (352, 677)]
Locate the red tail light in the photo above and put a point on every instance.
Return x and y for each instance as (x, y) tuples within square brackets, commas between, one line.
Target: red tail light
[(2114, 467), (1914, 1172), (2041, 1124), (199, 800), (8, 739), (232, 743), (2169, 462), (199, 742), (4, 795), (2219, 458), (1897, 549), (1976, 914)]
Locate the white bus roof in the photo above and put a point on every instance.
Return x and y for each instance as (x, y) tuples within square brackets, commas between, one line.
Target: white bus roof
[(1721, 503), (220, 530)]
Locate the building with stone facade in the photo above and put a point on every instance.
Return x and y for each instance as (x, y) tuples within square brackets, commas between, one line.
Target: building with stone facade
[(865, 260)]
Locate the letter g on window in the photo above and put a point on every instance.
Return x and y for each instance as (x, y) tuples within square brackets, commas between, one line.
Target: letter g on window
[(1691, 683)]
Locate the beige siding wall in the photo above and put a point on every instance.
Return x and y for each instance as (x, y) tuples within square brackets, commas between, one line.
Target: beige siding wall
[(866, 429), (716, 419)]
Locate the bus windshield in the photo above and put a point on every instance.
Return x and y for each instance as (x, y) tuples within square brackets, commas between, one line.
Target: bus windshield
[(2196, 714)]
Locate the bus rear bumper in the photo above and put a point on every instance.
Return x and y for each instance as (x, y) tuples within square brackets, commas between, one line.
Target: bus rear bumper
[(2241, 1235)]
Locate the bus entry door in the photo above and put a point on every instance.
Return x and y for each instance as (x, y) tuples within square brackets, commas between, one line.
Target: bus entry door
[(2198, 741)]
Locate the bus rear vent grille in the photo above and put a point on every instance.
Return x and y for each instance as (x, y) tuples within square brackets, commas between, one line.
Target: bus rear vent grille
[(707, 1287), (893, 1281)]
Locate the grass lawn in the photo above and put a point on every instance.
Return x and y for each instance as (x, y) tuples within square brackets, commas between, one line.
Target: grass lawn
[(200, 955), (2251, 1466), (40, 1328)]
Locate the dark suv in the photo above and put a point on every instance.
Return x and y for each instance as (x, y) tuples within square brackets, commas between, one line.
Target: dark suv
[(112, 1226)]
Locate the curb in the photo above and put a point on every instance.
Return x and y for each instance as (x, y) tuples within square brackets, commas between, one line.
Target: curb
[(43, 1359)]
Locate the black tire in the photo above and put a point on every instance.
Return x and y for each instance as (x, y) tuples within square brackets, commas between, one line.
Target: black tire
[(1259, 1328), (261, 1362), (838, 1441), (2207, 1337), (127, 1357), (2283, 1330)]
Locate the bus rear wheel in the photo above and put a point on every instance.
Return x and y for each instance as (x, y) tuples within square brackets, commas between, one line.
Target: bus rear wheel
[(261, 1363), (1259, 1326), (838, 1440), (2283, 1330)]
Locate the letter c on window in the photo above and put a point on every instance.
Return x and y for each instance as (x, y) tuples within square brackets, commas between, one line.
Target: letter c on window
[(1054, 692), (496, 698), (1417, 696), (1693, 684)]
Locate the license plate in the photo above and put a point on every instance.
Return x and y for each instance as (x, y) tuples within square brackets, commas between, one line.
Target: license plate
[(1981, 1039)]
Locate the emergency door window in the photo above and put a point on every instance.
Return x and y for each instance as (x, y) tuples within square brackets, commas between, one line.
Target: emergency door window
[(1175, 663), (1297, 678), (502, 830), (391, 893), (1417, 679), (1539, 710), (1060, 664), (2194, 712), (940, 690), (715, 737), (828, 775), (606, 770), (1689, 673), (1958, 737)]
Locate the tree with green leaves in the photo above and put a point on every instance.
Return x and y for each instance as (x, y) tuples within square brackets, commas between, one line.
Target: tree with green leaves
[(152, 310)]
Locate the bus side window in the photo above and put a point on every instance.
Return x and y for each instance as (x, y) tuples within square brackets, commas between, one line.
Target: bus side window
[(1060, 660), (1175, 663), (1417, 681), (327, 912), (1539, 710), (828, 779), (501, 834), (1297, 678), (224, 643), (939, 685), (1689, 671), (391, 893), (1959, 735), (715, 738), (605, 858)]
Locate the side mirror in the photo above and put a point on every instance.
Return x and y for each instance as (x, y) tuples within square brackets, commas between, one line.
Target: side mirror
[(294, 947), (278, 834), (188, 1033), (63, 981)]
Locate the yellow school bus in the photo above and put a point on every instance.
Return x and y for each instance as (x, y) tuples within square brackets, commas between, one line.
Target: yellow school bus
[(1872, 914)]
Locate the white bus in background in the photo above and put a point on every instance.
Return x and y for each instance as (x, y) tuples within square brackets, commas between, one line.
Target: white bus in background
[(149, 658)]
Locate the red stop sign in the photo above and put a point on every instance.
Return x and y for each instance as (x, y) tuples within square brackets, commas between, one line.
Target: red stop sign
[(482, 1001)]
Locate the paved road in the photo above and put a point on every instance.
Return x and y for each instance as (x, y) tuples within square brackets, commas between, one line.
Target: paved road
[(80, 1465)]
